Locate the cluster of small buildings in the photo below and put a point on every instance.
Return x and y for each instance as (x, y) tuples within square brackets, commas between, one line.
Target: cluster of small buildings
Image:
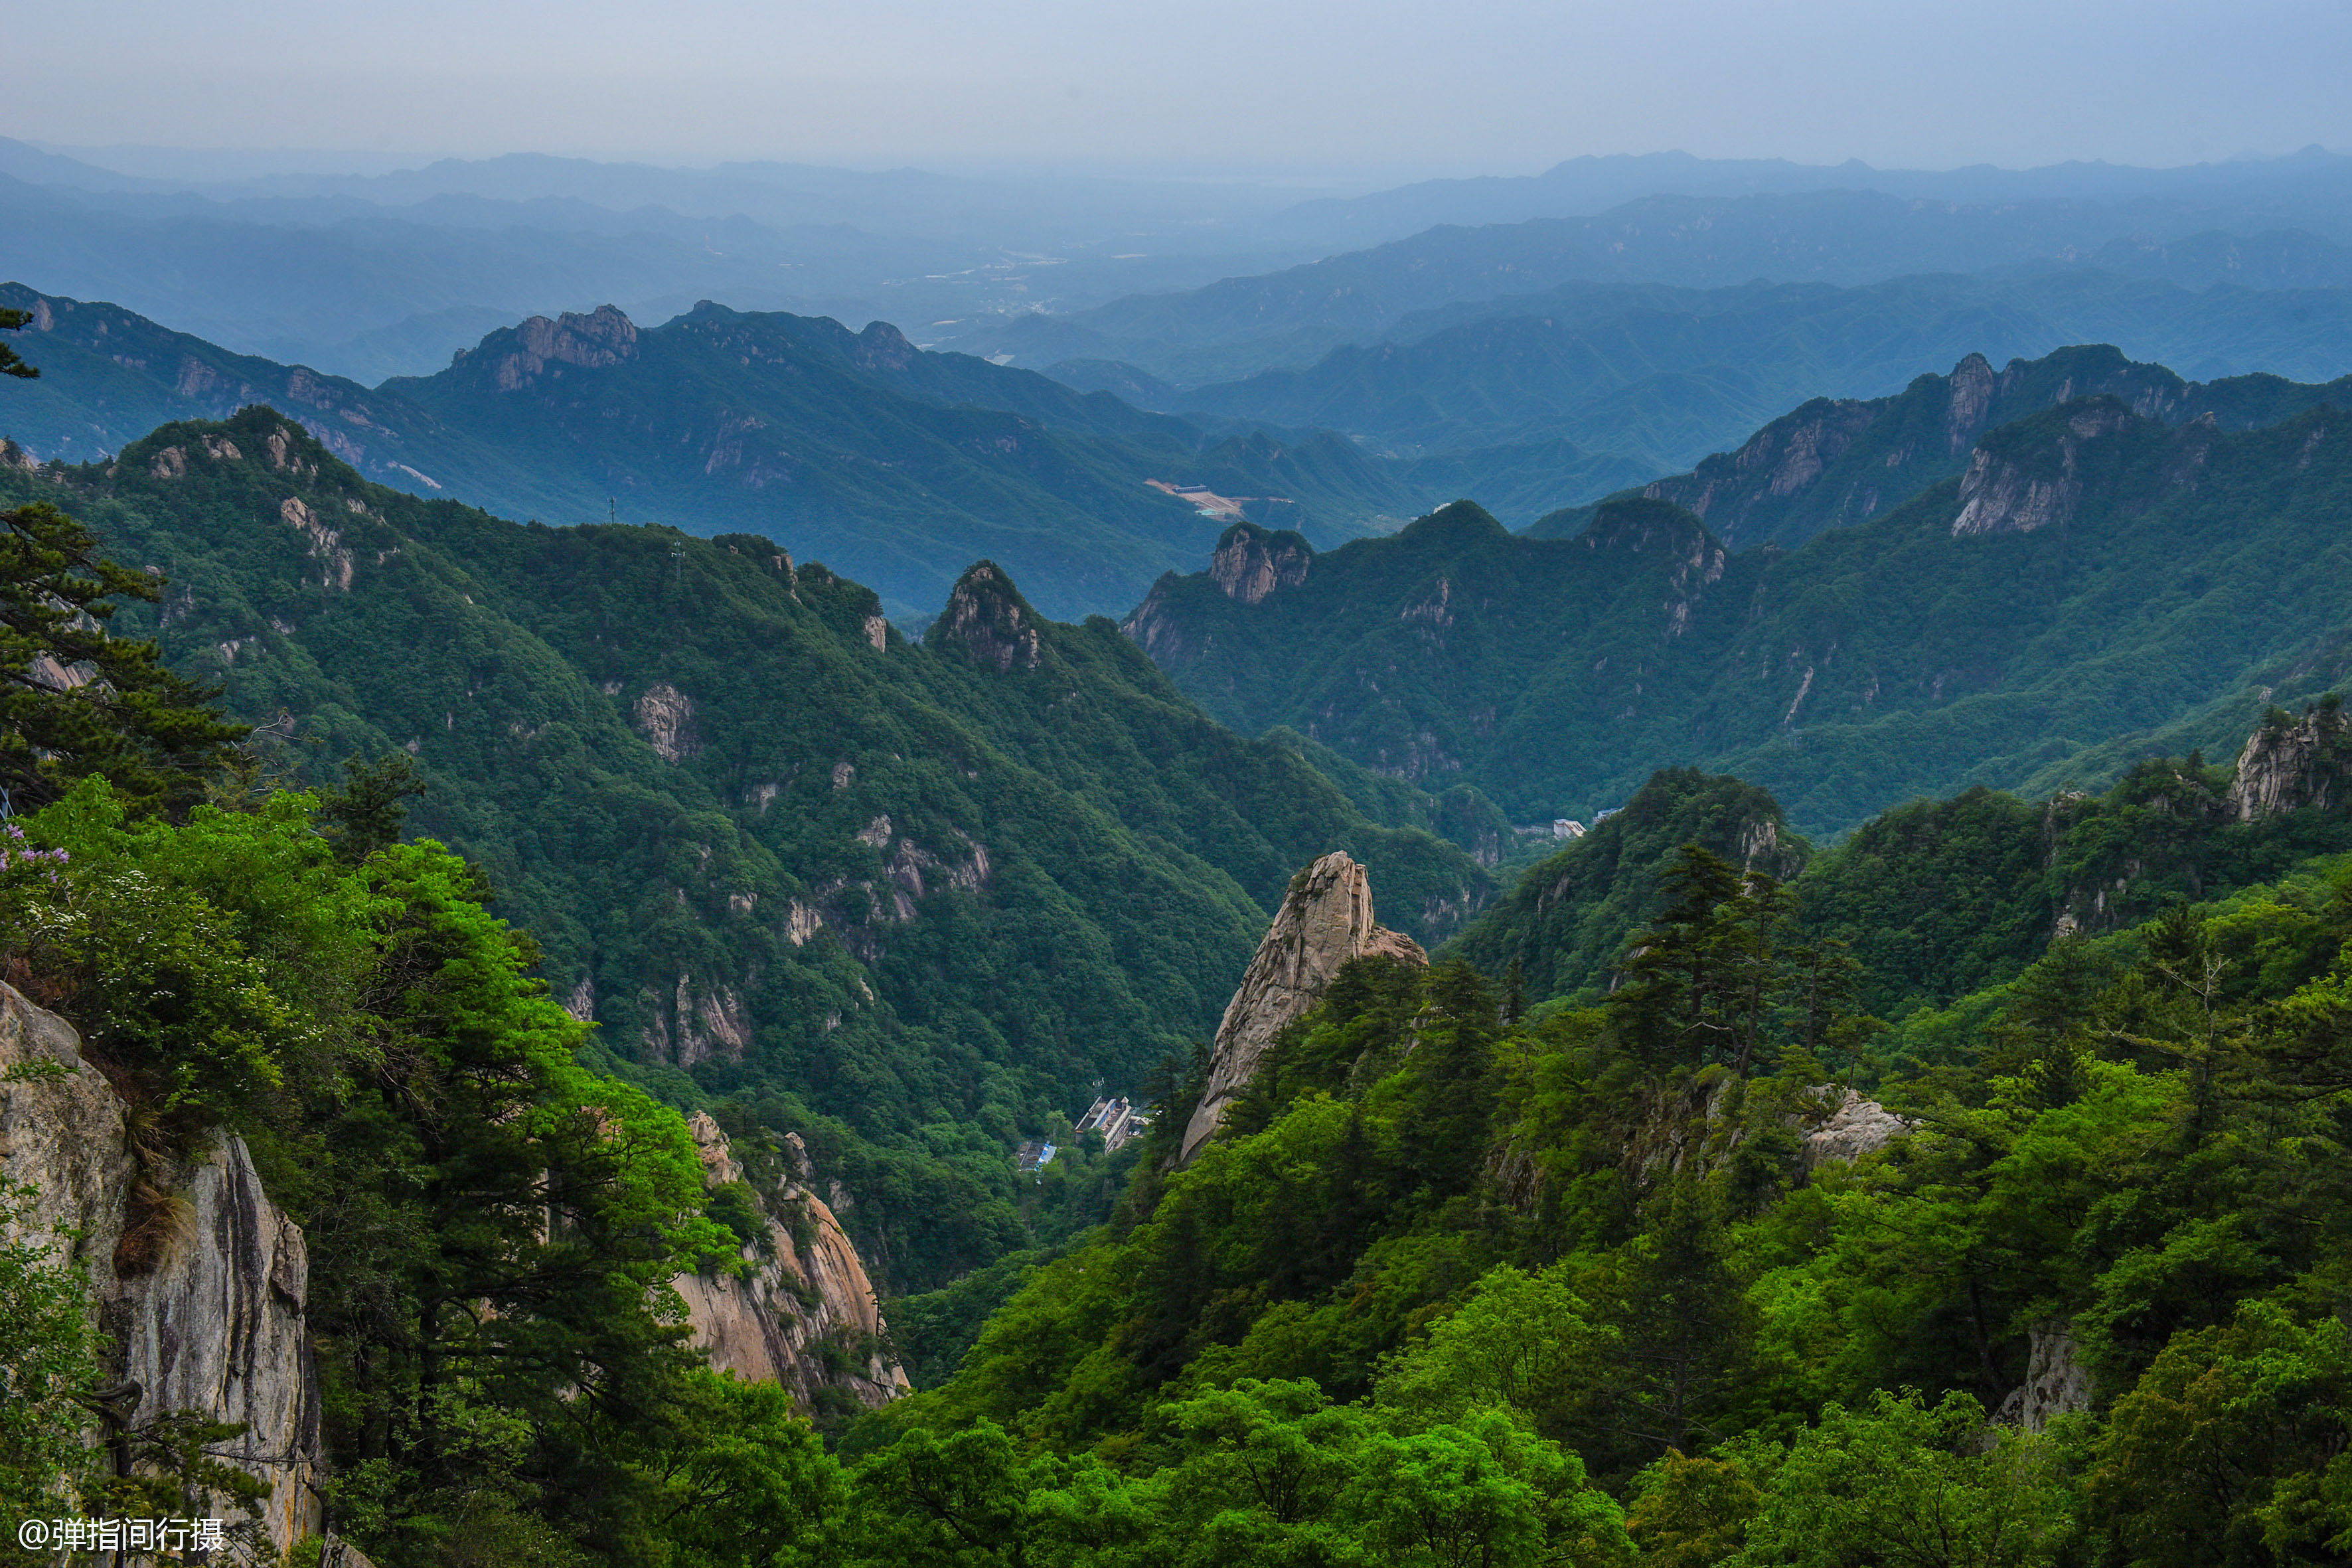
[(1115, 1119)]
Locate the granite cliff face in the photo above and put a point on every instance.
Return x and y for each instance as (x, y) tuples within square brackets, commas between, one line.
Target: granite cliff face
[(803, 1313), (201, 1283), (2286, 766), (1836, 461), (518, 356), (987, 621), (2008, 491), (202, 1294), (1251, 563), (1325, 920)]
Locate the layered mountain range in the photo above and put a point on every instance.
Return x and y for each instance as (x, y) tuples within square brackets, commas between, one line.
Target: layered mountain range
[(902, 466), (2090, 580)]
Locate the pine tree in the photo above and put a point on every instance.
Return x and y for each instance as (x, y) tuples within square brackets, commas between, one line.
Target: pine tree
[(75, 701)]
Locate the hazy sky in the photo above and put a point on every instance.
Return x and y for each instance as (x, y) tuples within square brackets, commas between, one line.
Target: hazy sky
[(1374, 86)]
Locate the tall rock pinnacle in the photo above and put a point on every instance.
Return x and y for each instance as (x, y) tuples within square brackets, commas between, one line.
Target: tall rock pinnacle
[(1325, 920)]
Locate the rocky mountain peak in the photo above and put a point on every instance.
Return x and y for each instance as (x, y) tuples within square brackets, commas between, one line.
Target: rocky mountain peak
[(882, 346), (987, 620), (1251, 563), (517, 355), (1325, 920)]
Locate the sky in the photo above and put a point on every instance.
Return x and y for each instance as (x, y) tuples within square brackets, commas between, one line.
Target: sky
[(1375, 88)]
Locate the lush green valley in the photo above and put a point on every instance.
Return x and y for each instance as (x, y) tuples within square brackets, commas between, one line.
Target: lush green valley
[(904, 899)]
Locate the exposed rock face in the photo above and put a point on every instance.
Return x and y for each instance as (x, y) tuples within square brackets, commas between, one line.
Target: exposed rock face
[(2282, 769), (326, 543), (2056, 1381), (1325, 920), (987, 619), (1856, 1128), (217, 1324), (219, 1327), (2003, 492), (766, 1323), (1155, 628), (1783, 459), (592, 342), (1251, 563), (665, 717)]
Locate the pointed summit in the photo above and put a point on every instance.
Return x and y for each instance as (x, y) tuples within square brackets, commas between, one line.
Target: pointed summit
[(1325, 920), (987, 621)]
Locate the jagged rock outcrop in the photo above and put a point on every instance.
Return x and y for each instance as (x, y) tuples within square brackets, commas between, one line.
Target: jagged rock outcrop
[(1251, 563), (1157, 627), (2010, 491), (203, 1293), (2056, 1381), (1838, 461), (521, 354), (2286, 766), (1326, 918), (803, 1313), (987, 620)]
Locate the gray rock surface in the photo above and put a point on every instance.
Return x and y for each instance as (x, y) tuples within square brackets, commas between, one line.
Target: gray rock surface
[(2286, 768), (1856, 1128), (216, 1324), (764, 1325), (1326, 918), (2056, 1381)]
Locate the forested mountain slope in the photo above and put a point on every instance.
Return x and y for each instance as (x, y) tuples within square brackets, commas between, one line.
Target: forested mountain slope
[(1842, 460), (910, 901), (904, 466), (1643, 1261), (2093, 579)]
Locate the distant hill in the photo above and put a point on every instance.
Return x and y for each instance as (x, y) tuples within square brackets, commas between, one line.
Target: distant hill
[(1232, 329), (1664, 376), (855, 447), (2093, 583), (2301, 185), (1836, 461)]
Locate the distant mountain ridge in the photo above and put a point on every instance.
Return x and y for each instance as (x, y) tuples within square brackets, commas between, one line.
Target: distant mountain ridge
[(855, 447), (1837, 461), (1664, 376), (1230, 329), (2081, 583)]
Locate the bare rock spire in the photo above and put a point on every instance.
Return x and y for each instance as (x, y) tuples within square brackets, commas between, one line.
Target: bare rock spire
[(1325, 920)]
